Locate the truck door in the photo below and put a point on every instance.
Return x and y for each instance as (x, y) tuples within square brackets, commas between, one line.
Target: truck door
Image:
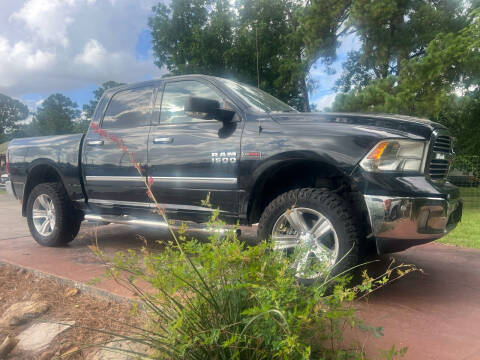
[(190, 157), (110, 177)]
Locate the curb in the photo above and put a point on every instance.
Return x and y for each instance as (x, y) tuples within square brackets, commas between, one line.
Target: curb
[(84, 288)]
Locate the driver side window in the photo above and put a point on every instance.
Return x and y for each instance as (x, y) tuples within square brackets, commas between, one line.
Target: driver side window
[(175, 95)]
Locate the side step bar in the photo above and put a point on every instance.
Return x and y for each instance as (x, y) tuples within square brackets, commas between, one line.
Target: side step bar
[(128, 220)]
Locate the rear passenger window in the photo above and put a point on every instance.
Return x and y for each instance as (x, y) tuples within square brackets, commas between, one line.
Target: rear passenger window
[(129, 108)]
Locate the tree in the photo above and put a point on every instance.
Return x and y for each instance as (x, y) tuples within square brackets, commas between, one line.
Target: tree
[(441, 85), (258, 42), (11, 112), (55, 115), (390, 32), (271, 29), (89, 108), (81, 125), (182, 32)]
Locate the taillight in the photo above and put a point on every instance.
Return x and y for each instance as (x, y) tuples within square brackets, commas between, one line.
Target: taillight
[(7, 165)]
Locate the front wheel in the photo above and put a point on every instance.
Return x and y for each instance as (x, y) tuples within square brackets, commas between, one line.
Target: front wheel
[(317, 226), (51, 218)]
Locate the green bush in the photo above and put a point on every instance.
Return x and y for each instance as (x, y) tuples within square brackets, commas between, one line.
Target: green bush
[(224, 300)]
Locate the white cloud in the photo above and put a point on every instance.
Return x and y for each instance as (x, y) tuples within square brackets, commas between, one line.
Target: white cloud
[(349, 42), (326, 80), (325, 101), (94, 54), (32, 107), (51, 46), (48, 19), (19, 58)]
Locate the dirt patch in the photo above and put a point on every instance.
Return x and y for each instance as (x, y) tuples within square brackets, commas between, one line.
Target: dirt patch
[(65, 304)]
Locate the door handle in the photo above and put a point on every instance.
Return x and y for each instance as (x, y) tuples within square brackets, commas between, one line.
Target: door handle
[(163, 140), (95, 143)]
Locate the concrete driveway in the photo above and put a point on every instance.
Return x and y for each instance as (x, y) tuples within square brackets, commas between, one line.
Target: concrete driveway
[(435, 314)]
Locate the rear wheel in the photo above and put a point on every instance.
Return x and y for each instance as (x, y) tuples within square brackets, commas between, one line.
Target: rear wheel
[(317, 226), (51, 218)]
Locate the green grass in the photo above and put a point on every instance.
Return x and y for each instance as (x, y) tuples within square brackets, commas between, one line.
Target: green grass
[(467, 233), (2, 191), (471, 197)]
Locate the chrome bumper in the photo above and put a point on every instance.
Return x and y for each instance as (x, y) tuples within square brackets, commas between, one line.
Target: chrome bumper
[(9, 187), (398, 223)]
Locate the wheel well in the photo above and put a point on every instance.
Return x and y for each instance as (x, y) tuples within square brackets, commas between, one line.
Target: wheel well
[(289, 176), (38, 175)]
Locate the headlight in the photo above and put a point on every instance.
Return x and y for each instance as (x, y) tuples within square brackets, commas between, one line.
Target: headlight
[(395, 155)]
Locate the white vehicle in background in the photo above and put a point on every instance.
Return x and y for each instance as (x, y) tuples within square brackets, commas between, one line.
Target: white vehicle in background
[(3, 179)]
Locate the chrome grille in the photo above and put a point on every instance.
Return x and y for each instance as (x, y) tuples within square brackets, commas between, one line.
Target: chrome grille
[(440, 157), (439, 169), (442, 144)]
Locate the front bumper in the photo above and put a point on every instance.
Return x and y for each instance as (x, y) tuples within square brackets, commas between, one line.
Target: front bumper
[(401, 222)]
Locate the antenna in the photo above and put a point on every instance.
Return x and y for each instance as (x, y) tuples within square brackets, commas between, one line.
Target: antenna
[(256, 47)]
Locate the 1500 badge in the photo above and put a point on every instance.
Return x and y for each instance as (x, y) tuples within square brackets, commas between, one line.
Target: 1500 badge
[(224, 157)]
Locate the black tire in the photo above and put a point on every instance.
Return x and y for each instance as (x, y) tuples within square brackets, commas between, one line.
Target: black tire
[(67, 219), (330, 205)]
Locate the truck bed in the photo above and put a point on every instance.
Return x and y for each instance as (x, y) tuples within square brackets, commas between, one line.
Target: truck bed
[(62, 152)]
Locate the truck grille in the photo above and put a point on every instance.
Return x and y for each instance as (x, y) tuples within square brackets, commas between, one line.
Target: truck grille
[(442, 144), (440, 157), (439, 169)]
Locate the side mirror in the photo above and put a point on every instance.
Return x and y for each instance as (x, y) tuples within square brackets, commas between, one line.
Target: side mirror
[(202, 108)]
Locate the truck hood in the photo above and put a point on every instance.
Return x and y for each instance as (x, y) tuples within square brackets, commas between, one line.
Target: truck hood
[(397, 124)]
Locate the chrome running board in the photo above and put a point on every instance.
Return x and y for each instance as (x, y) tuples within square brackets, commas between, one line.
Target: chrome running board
[(129, 220)]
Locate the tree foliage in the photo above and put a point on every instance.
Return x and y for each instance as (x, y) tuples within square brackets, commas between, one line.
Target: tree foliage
[(390, 32), (88, 109), (11, 112), (55, 116), (255, 41), (441, 85), (273, 43), (58, 114)]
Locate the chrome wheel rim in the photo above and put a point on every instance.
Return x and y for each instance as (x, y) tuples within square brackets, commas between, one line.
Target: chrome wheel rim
[(43, 214), (313, 238)]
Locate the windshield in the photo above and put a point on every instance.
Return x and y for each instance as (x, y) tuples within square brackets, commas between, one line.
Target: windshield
[(257, 98)]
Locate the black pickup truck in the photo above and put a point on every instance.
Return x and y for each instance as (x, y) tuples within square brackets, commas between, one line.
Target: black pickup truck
[(333, 182)]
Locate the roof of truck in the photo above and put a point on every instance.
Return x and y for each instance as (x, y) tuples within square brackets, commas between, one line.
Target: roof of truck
[(157, 80)]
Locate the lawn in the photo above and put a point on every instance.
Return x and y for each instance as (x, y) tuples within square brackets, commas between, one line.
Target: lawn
[(471, 197), (467, 233)]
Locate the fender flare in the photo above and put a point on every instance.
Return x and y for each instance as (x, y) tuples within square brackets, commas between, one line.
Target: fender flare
[(271, 166), (34, 166)]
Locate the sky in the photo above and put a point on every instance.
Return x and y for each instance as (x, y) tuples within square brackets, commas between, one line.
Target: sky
[(73, 46)]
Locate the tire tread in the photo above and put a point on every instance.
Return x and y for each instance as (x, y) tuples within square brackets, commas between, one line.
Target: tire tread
[(68, 223), (334, 203)]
